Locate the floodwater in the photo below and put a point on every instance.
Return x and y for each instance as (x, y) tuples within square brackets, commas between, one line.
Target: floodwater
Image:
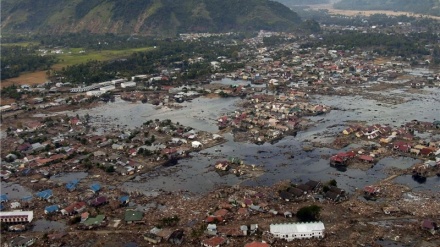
[(419, 71), (199, 114), (14, 191), (431, 184), (67, 177), (284, 160), (46, 226), (230, 82), (398, 162)]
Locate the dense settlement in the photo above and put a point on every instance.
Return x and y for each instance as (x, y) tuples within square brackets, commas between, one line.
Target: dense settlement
[(63, 173)]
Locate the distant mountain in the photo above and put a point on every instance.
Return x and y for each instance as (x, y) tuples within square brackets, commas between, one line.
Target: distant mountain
[(429, 7), (150, 17), (302, 2)]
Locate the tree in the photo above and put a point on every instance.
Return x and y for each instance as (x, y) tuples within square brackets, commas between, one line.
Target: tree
[(308, 213), (333, 183), (110, 169)]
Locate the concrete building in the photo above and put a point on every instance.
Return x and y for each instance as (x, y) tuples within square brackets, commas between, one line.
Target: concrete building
[(128, 84), (16, 216), (107, 88), (291, 231), (94, 93)]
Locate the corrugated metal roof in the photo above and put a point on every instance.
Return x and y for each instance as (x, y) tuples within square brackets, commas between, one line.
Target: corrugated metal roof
[(290, 228)]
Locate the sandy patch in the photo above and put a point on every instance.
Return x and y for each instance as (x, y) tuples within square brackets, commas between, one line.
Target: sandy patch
[(32, 78), (332, 10)]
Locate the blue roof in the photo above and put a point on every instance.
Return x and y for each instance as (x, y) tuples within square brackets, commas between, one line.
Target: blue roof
[(27, 171), (4, 198), (52, 208), (26, 198), (45, 194), (123, 198), (95, 187), (72, 184)]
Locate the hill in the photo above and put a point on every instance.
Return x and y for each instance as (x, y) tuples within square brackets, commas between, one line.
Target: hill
[(149, 17), (289, 3), (429, 7)]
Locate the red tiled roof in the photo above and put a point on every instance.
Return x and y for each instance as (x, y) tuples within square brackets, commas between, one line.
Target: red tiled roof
[(428, 224), (221, 212), (211, 219), (214, 241), (426, 151), (336, 158), (370, 189), (257, 244), (366, 157)]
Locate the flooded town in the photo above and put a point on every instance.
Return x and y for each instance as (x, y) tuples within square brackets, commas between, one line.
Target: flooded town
[(291, 142)]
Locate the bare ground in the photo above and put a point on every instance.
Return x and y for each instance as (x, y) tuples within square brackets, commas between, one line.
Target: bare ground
[(332, 10), (32, 78)]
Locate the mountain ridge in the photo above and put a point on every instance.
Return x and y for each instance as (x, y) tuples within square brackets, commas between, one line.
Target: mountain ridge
[(149, 17)]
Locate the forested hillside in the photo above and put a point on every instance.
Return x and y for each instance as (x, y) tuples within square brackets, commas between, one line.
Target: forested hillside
[(302, 2), (151, 17)]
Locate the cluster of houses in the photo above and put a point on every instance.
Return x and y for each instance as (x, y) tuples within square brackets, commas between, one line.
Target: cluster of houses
[(401, 140), (221, 229), (68, 141), (268, 118), (315, 189), (320, 66), (52, 206), (234, 165)]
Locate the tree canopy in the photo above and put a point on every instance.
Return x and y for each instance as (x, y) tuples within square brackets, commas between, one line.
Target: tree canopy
[(308, 213)]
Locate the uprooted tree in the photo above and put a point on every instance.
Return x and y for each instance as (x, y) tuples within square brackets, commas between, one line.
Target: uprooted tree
[(308, 213)]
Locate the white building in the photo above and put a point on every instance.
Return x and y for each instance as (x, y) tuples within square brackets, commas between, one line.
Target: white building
[(107, 88), (128, 84), (291, 231), (5, 108), (215, 65), (94, 93), (16, 216)]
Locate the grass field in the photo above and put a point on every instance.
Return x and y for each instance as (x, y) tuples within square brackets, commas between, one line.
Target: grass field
[(69, 57), (20, 44), (73, 56)]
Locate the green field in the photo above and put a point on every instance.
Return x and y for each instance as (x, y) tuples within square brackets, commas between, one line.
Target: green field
[(20, 44), (73, 56)]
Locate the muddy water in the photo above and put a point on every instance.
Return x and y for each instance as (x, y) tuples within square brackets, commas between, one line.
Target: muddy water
[(67, 177), (230, 82), (196, 174), (398, 162), (350, 108), (200, 114), (14, 191), (46, 226), (430, 184)]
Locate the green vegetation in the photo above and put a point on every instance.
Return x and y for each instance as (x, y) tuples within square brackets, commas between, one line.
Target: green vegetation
[(302, 2), (10, 92), (308, 213), (170, 221), (22, 44), (166, 53), (76, 56), (150, 17), (430, 7), (17, 59), (412, 45)]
